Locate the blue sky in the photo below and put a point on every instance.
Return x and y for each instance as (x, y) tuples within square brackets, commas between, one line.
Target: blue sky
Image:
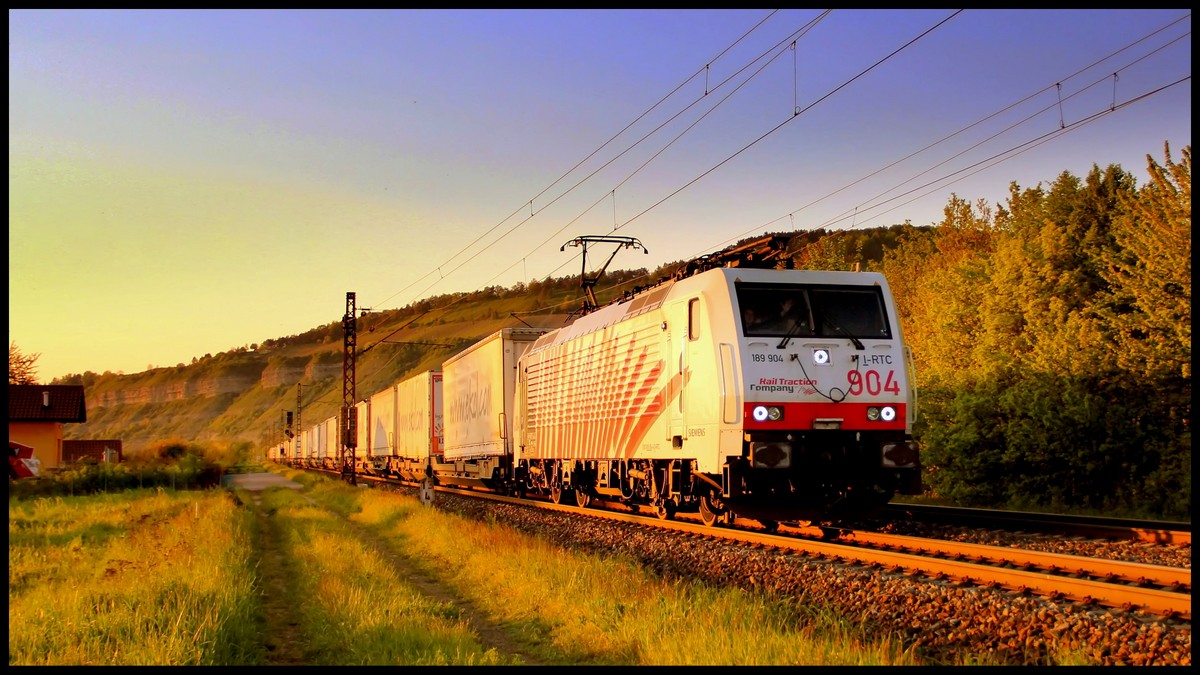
[(190, 181)]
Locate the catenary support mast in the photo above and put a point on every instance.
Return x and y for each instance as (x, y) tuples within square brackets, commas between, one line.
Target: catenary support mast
[(349, 419)]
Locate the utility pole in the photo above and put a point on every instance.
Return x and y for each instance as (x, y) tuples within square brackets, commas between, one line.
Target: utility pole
[(349, 417)]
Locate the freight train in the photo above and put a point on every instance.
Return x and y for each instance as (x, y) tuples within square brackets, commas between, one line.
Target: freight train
[(731, 389)]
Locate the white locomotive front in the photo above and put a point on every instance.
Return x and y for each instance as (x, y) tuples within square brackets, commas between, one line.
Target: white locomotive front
[(780, 395)]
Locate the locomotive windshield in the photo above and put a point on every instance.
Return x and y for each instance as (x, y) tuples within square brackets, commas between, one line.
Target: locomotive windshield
[(781, 310)]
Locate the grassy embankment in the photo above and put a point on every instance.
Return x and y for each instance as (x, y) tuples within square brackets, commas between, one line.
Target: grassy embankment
[(174, 578)]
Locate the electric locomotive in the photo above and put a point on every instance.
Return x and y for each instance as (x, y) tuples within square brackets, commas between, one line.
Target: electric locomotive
[(772, 394)]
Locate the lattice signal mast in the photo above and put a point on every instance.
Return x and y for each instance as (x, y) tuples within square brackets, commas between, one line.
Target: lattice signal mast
[(348, 422), (299, 436)]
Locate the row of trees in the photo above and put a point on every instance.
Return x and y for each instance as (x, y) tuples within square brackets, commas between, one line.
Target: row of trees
[(1052, 338)]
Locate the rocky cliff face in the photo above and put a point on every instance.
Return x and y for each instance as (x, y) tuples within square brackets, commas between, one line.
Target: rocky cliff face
[(234, 397), (173, 391), (185, 385), (289, 373)]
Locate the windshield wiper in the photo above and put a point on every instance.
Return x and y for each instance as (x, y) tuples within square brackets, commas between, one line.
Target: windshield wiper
[(858, 345), (799, 320), (790, 334)]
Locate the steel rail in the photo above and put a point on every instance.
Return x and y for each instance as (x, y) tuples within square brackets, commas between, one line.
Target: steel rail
[(1160, 602), (929, 563), (1113, 571), (1175, 533)]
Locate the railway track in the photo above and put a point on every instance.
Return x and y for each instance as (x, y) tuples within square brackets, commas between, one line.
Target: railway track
[(1170, 533), (1156, 590), (1153, 589)]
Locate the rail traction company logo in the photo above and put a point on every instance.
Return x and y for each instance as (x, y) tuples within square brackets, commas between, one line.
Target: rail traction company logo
[(775, 385)]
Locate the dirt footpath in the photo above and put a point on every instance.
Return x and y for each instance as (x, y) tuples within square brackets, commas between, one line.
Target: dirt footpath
[(257, 481), (284, 643)]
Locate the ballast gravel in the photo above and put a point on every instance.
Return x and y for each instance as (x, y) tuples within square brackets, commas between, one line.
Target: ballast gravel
[(942, 622)]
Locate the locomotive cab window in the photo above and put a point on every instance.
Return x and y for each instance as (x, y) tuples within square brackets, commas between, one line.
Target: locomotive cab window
[(851, 311), (780, 310), (694, 319)]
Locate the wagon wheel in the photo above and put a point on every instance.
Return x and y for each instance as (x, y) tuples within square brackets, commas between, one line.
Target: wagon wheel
[(582, 498), (554, 481), (710, 510)]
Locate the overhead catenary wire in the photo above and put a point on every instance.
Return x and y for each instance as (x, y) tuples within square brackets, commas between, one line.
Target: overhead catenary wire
[(795, 114), (864, 205), (790, 39), (533, 213), (964, 172), (983, 164), (661, 101), (988, 162), (701, 70)]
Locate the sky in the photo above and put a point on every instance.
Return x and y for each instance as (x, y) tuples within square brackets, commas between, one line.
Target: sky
[(184, 182)]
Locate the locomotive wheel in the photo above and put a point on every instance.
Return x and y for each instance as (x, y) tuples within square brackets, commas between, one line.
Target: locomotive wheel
[(665, 510), (582, 498), (770, 525), (556, 494), (709, 514)]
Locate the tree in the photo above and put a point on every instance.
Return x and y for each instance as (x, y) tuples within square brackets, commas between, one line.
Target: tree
[(22, 368), (829, 253), (1150, 313)]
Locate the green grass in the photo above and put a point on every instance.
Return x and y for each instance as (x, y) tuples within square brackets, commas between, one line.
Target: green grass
[(604, 610), (160, 577), (359, 611), (144, 577)]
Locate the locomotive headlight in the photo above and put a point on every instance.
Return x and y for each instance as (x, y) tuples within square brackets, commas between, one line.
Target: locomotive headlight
[(820, 356), (763, 413), (886, 413)]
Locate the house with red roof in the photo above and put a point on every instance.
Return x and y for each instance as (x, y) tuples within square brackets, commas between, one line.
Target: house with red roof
[(97, 450), (36, 415)]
